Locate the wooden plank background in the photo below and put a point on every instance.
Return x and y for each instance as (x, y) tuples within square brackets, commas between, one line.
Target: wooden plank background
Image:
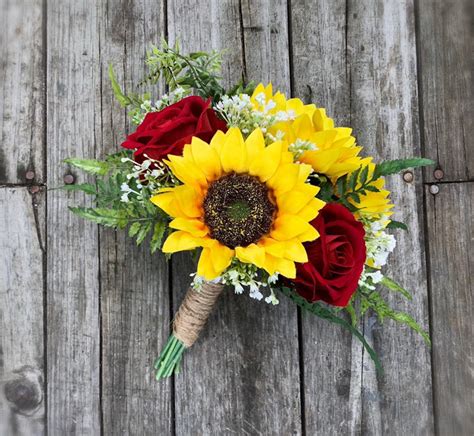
[(83, 312)]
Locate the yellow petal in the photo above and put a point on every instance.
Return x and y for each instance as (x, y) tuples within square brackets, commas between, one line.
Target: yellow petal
[(180, 241), (284, 179), (205, 266), (234, 154), (321, 121), (206, 158), (283, 266), (187, 171), (255, 144), (288, 227), (267, 162), (221, 257), (251, 254), (214, 260), (310, 234), (167, 202), (291, 250), (189, 201), (292, 202), (192, 226), (311, 210)]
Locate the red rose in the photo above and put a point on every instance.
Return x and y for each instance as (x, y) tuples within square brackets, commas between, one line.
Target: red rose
[(335, 259), (167, 132)]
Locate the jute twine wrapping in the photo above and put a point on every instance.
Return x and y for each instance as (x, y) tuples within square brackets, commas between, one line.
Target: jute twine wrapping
[(194, 311)]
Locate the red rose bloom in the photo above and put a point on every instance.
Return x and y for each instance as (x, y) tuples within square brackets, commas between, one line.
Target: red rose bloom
[(335, 259), (167, 132)]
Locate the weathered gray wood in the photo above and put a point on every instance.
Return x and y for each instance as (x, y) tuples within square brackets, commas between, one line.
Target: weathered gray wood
[(242, 376), (135, 302), (22, 404), (73, 325), (332, 367), (384, 114), (446, 65), (372, 62), (22, 96), (451, 236), (265, 42)]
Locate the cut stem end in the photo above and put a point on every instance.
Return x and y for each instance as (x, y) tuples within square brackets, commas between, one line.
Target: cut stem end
[(170, 358)]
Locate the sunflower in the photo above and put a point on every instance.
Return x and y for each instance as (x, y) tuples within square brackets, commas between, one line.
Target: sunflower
[(243, 199), (330, 150)]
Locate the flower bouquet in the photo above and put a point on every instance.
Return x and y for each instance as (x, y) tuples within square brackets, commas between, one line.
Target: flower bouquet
[(270, 195)]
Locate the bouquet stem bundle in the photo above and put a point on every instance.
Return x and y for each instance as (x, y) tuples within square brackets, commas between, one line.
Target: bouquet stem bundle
[(187, 325)]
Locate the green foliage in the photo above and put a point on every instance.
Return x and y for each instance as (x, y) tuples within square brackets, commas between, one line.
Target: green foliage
[(329, 314), (381, 308), (90, 166), (371, 299), (395, 166), (242, 88), (142, 217), (397, 225), (352, 186), (198, 70), (119, 95), (394, 286)]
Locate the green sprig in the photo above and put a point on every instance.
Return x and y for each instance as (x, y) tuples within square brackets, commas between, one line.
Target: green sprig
[(328, 314)]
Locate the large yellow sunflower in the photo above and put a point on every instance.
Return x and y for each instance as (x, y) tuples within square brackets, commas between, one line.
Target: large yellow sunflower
[(240, 198), (328, 149)]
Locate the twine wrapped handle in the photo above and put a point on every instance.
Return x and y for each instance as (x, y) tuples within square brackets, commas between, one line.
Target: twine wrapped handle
[(190, 319), (194, 312)]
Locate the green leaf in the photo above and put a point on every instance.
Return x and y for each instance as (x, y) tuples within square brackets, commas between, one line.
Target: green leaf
[(394, 286), (158, 233), (119, 95), (397, 165), (406, 319), (352, 313), (88, 188), (90, 166), (363, 175), (383, 310), (134, 228), (397, 225), (141, 235), (371, 188), (326, 313), (353, 180), (105, 217)]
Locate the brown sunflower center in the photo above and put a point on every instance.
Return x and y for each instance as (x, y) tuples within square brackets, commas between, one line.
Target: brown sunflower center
[(238, 210)]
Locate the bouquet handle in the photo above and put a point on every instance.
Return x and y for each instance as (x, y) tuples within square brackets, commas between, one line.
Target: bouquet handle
[(190, 319)]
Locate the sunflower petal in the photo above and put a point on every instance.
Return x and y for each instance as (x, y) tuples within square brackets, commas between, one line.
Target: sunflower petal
[(251, 254), (181, 241), (234, 154), (192, 226)]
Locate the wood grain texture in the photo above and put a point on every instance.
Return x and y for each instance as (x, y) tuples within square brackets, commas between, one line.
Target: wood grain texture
[(22, 97), (22, 404), (384, 115), (358, 60), (242, 376), (332, 370), (73, 324), (135, 302), (451, 236), (446, 68)]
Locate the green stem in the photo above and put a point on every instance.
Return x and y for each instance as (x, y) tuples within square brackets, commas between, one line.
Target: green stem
[(170, 358)]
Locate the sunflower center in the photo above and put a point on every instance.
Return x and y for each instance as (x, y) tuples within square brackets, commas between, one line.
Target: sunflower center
[(238, 210)]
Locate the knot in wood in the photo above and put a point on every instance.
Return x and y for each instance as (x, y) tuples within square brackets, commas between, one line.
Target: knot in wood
[(23, 394)]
